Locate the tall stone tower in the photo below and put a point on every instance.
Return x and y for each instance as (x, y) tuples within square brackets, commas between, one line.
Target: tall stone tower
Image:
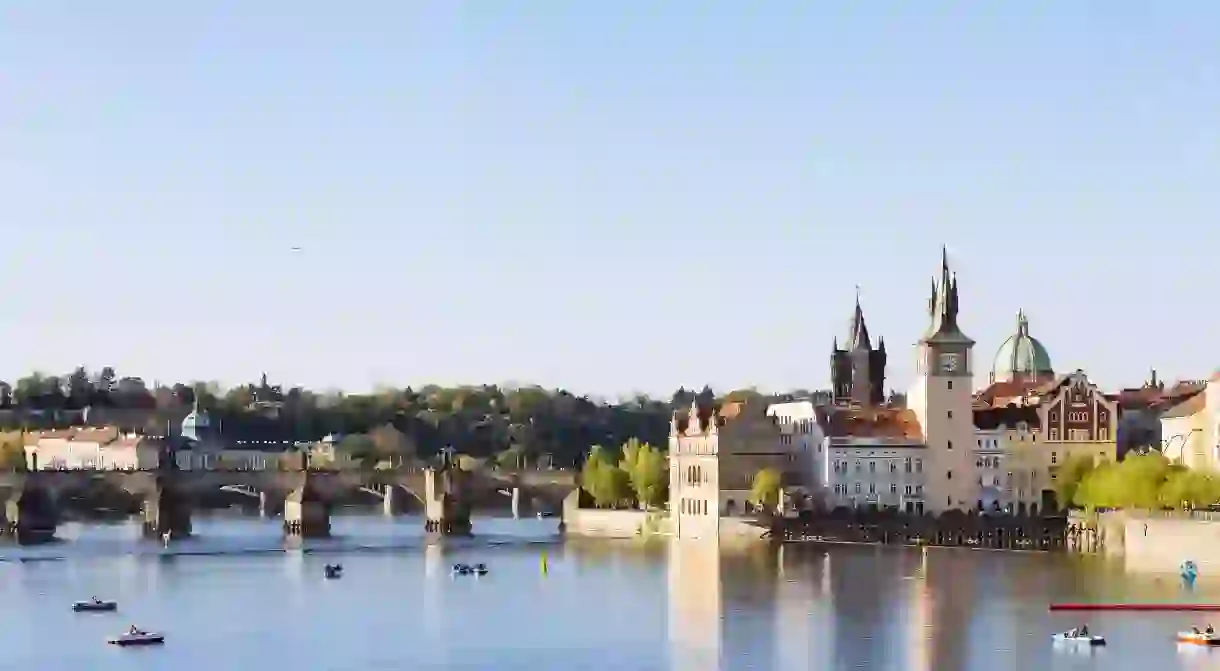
[(857, 372), (942, 398)]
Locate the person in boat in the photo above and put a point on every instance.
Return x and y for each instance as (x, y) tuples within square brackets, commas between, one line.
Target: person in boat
[(134, 631), (1073, 632), (1209, 631), (97, 601), (1084, 630), (1195, 631)]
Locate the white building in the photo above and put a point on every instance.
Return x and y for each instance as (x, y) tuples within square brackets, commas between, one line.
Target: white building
[(800, 432), (89, 448), (873, 457), (1190, 430)]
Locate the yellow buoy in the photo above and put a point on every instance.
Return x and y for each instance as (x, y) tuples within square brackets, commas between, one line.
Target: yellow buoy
[(542, 562)]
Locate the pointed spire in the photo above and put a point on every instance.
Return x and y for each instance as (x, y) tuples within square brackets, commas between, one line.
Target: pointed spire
[(835, 346), (1022, 323), (673, 423), (857, 337), (944, 304), (881, 343), (693, 425)]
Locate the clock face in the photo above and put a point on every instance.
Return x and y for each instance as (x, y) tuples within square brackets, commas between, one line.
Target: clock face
[(949, 362)]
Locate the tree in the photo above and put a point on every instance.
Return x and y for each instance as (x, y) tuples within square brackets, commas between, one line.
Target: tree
[(765, 490), (12, 451), (356, 446), (390, 444), (647, 471), (1068, 477), (604, 480), (510, 458)]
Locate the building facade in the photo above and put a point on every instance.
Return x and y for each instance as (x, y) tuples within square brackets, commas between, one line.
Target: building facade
[(88, 448), (1190, 429), (713, 458)]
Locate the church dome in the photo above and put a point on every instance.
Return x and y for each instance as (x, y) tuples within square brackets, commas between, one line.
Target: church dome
[(195, 425), (1021, 357)]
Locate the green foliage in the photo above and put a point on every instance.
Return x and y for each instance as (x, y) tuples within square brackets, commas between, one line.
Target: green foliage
[(602, 478), (12, 451), (1069, 475), (1146, 481), (647, 470), (765, 490), (511, 458)]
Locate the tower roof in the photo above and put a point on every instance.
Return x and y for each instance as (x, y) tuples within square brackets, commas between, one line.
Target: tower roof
[(857, 336), (943, 307)]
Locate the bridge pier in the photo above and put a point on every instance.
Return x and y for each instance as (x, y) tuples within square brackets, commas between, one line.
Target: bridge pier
[(306, 511), (30, 515), (389, 501), (166, 510), (446, 504)]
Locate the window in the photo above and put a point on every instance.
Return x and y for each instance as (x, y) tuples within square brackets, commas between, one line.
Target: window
[(1103, 434), (948, 500), (949, 444), (857, 488), (1054, 434), (893, 467), (1054, 458), (872, 488), (919, 465), (950, 414), (908, 490), (948, 475), (859, 466), (908, 465), (950, 384), (893, 488), (872, 467), (978, 463)]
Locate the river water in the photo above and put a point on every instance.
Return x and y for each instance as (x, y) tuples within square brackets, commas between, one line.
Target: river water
[(233, 598)]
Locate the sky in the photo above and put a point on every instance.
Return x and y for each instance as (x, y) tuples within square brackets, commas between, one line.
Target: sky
[(605, 197)]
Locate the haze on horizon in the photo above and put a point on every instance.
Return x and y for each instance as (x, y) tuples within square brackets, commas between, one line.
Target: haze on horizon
[(607, 198)]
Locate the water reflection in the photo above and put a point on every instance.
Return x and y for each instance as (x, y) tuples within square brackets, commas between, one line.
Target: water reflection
[(694, 605)]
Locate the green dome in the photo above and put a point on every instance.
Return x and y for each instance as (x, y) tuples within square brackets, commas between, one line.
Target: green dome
[(1021, 356)]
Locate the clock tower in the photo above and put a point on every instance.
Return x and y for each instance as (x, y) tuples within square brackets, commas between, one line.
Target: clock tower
[(942, 399)]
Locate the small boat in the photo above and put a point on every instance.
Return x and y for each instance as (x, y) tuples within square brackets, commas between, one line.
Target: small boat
[(1198, 638), (334, 571), (1076, 639), (479, 569), (137, 638), (95, 606), (462, 569)]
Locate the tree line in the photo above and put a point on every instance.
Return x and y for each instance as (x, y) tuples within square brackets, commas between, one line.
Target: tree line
[(1140, 481), (522, 425)]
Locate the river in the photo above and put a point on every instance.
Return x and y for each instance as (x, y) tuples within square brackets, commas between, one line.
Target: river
[(233, 598)]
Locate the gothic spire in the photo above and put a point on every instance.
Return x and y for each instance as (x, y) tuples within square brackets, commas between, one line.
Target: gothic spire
[(857, 337), (944, 303)]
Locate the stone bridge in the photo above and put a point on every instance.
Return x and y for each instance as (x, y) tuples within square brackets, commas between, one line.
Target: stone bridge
[(32, 500)]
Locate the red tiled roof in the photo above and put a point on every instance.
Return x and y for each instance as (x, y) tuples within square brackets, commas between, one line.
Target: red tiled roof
[(870, 422), (1004, 393)]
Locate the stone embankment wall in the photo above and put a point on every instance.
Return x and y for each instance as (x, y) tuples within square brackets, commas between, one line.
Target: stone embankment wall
[(1156, 543), (598, 523)]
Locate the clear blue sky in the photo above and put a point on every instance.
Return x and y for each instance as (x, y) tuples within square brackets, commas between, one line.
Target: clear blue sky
[(605, 196)]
